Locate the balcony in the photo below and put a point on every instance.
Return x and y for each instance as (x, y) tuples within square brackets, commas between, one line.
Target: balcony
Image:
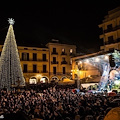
[(60, 73), (112, 29), (112, 42), (54, 62), (72, 54), (54, 53), (31, 71), (44, 71), (63, 53), (38, 60), (63, 62)]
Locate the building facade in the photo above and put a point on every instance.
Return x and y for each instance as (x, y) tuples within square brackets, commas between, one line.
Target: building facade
[(111, 30), (51, 63)]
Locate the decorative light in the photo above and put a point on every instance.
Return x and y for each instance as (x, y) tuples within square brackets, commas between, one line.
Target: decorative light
[(80, 62), (87, 61), (38, 75), (10, 68), (89, 75), (11, 21), (97, 59), (106, 57)]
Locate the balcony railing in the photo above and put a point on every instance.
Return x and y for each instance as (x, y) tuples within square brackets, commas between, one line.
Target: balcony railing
[(60, 73), (112, 42), (40, 60), (44, 71), (54, 62), (72, 54), (112, 29), (63, 62), (31, 71), (63, 53), (54, 53)]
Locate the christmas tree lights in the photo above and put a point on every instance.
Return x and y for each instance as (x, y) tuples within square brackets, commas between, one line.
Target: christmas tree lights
[(10, 67)]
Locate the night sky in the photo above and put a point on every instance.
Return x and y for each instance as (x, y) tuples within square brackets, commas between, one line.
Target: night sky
[(70, 22)]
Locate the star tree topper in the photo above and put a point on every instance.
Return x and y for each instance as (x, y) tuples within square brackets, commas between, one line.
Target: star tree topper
[(11, 21)]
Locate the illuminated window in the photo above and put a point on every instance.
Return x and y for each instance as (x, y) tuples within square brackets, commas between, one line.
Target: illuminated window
[(63, 50), (33, 80), (71, 50)]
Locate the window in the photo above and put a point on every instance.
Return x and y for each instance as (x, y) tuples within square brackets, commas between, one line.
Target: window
[(54, 50), (34, 68), (109, 27), (110, 39), (44, 57), (71, 50), (63, 50), (111, 49), (54, 59), (25, 48), (63, 70), (63, 58), (25, 68), (44, 68), (54, 70), (25, 56), (34, 56)]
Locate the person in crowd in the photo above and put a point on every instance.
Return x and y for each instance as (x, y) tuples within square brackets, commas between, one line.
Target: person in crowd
[(55, 104)]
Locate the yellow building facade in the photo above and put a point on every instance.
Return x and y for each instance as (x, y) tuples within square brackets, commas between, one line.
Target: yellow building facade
[(51, 63), (111, 30)]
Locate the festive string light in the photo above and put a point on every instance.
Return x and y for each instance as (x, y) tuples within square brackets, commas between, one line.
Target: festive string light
[(10, 67)]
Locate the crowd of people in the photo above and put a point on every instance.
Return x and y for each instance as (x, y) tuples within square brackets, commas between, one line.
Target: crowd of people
[(56, 104)]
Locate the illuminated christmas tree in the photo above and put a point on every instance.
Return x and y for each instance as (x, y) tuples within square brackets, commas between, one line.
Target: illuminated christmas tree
[(10, 68)]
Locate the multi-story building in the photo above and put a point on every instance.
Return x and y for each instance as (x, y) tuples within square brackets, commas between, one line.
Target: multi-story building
[(111, 30), (60, 64), (46, 64)]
